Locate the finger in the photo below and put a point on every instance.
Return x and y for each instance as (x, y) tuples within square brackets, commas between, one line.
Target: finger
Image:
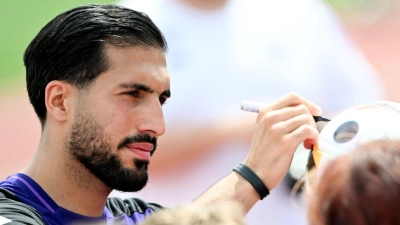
[(308, 144), (294, 123), (293, 99), (304, 133), (286, 114)]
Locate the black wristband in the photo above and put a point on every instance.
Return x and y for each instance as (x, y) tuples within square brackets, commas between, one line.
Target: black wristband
[(253, 179)]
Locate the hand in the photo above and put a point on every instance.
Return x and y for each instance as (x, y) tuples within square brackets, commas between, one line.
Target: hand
[(281, 126)]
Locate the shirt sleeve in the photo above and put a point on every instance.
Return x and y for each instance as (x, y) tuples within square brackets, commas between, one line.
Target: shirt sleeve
[(13, 212), (129, 206)]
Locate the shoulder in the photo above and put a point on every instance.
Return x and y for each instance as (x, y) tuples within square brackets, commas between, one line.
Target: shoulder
[(14, 212), (129, 206)]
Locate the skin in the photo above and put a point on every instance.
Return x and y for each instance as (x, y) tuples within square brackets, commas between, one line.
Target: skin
[(121, 114), (280, 127)]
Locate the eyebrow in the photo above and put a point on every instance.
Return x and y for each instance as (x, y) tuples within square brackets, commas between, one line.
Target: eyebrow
[(145, 88)]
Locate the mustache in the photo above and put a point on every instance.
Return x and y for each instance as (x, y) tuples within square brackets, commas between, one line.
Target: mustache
[(138, 139)]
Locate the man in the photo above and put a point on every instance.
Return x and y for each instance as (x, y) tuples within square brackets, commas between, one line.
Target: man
[(97, 79)]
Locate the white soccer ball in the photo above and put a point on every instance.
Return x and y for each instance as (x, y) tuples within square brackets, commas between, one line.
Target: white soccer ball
[(357, 125)]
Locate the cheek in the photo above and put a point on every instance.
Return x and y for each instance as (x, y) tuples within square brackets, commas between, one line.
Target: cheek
[(120, 123), (122, 119)]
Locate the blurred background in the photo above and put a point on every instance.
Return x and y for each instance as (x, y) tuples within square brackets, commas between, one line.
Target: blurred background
[(374, 26)]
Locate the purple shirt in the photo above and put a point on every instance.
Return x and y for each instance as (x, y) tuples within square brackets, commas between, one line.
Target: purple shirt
[(29, 192)]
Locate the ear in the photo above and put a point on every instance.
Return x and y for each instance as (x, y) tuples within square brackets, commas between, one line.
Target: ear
[(56, 95)]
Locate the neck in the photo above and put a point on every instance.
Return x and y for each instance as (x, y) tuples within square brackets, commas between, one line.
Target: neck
[(69, 183), (205, 4)]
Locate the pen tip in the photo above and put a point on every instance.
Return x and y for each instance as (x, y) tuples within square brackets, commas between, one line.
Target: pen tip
[(321, 119)]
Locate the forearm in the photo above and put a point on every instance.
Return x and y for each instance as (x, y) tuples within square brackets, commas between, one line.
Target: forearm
[(231, 188)]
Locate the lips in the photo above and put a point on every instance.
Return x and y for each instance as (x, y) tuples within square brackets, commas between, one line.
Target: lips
[(141, 150)]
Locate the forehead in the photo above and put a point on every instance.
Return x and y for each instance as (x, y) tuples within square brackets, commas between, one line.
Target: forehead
[(146, 65)]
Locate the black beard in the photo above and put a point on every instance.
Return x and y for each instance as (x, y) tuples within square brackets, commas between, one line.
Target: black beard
[(91, 146)]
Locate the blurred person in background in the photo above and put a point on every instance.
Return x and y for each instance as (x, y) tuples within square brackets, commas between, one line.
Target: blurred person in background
[(359, 188), (254, 50)]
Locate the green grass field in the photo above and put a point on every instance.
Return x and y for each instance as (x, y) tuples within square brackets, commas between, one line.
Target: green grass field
[(20, 21)]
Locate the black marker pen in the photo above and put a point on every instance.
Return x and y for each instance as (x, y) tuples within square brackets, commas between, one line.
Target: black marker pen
[(251, 106)]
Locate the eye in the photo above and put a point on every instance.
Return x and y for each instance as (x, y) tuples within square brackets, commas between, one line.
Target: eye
[(134, 94), (163, 100)]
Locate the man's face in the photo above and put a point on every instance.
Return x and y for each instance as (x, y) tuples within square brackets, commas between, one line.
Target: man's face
[(119, 117)]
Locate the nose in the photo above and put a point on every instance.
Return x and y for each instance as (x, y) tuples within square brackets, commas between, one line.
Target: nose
[(152, 119)]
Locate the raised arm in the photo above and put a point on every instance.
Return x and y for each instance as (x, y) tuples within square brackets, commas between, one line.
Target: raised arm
[(281, 126)]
